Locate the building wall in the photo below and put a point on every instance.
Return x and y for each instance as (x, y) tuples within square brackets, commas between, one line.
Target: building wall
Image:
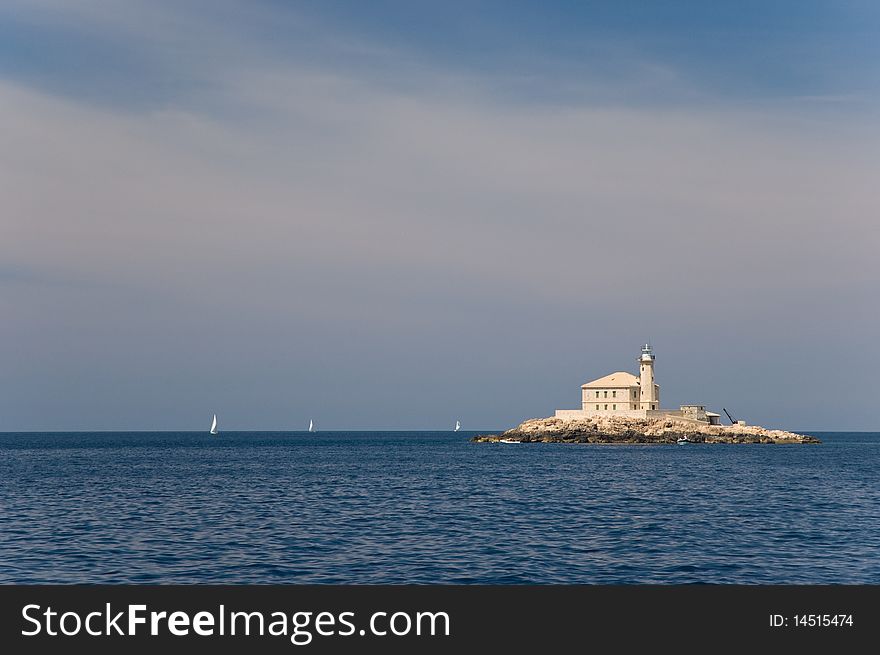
[(587, 413), (626, 398), (571, 414), (651, 404), (697, 412), (646, 382)]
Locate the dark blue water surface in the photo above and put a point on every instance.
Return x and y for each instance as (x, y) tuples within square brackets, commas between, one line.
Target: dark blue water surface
[(394, 507)]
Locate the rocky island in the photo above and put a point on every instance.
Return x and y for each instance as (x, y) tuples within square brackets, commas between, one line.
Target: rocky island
[(625, 408), (620, 429)]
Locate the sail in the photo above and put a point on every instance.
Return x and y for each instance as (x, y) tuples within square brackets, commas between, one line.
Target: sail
[(311, 425), (457, 426), (214, 425)]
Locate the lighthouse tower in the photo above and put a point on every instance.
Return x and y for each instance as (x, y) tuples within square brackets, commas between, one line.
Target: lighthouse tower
[(649, 392)]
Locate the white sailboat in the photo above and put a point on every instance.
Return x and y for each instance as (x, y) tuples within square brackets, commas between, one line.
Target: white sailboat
[(214, 425), (311, 425), (457, 426)]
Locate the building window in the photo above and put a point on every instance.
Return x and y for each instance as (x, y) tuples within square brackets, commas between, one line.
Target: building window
[(606, 394), (597, 395), (653, 406), (597, 407), (614, 394), (606, 405), (614, 407)]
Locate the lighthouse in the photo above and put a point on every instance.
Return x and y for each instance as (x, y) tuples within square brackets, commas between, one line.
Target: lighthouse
[(649, 392), (632, 396)]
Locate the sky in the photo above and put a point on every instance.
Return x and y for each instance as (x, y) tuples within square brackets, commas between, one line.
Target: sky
[(396, 215)]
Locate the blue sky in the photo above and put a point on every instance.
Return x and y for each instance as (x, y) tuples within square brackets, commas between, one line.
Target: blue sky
[(396, 215), (751, 51)]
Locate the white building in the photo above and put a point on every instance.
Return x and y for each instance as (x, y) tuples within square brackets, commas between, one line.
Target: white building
[(636, 396)]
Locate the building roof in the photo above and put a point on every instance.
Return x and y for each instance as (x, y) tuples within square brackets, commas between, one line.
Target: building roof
[(619, 379)]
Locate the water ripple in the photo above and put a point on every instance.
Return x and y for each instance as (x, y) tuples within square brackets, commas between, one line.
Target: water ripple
[(372, 508)]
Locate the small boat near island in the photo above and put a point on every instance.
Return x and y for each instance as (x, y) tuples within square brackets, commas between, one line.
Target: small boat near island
[(509, 441), (213, 429), (682, 440)]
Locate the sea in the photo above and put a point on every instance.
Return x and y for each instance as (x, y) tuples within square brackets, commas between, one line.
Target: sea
[(433, 508)]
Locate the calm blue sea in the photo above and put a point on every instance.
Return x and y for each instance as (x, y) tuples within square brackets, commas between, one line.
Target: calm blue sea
[(397, 507)]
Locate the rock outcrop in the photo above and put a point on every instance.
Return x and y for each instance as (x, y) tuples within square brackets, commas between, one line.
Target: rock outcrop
[(613, 429)]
